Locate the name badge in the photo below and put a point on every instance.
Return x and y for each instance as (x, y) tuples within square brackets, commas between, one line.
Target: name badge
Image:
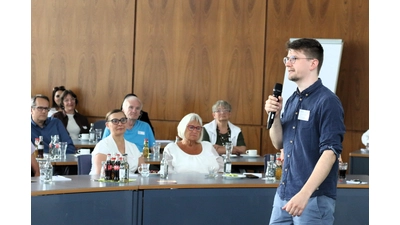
[(304, 115), (140, 132)]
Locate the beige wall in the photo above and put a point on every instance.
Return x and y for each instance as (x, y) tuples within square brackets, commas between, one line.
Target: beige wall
[(182, 56)]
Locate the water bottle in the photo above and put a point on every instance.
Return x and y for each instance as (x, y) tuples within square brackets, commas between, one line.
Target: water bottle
[(92, 133), (163, 168), (271, 168), (54, 147)]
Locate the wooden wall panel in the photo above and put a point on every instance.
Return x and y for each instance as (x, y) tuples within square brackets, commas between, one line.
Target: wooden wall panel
[(347, 20), (87, 46), (189, 54), (182, 56)]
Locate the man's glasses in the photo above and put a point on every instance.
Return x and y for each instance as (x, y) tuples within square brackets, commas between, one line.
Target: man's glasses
[(292, 59), (192, 128), (116, 121), (222, 111), (41, 109)]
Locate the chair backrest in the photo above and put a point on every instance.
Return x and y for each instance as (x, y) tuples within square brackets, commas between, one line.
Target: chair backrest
[(84, 164), (100, 124)]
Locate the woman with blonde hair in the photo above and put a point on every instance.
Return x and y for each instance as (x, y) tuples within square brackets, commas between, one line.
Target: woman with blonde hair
[(191, 154)]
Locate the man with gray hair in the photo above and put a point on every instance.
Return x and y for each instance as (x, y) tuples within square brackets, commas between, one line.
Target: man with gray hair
[(41, 125), (136, 130)]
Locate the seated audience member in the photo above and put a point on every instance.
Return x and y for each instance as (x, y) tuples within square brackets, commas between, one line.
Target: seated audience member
[(115, 143), (137, 130), (74, 122), (144, 116), (191, 154), (221, 130), (35, 171), (56, 98), (41, 125)]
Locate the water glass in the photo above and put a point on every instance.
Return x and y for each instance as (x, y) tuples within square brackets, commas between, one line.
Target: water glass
[(156, 150), (97, 136), (212, 172), (46, 173), (63, 150), (144, 169), (342, 170)]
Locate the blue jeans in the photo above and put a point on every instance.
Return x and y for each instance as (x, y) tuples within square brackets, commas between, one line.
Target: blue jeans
[(319, 211)]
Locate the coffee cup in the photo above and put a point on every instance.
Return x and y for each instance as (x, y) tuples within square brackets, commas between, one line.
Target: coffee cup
[(251, 152), (83, 151), (83, 136)]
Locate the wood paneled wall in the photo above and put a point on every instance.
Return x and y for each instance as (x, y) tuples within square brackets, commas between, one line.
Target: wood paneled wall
[(181, 56)]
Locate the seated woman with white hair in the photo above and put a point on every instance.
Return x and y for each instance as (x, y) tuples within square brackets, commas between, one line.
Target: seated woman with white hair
[(190, 154)]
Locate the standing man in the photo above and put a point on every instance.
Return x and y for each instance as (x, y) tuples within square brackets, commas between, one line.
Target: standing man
[(41, 125), (136, 130), (311, 131)]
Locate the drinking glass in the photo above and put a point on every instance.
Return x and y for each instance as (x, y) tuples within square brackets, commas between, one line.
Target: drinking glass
[(97, 136), (144, 169), (156, 149), (342, 170), (63, 150), (228, 147)]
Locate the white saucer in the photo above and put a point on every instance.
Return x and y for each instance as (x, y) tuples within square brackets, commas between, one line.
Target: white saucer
[(232, 155), (76, 155), (250, 156)]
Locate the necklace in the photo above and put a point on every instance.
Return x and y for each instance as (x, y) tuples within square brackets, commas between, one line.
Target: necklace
[(224, 137)]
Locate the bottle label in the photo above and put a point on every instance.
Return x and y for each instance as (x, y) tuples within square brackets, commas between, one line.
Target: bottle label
[(162, 172), (227, 167)]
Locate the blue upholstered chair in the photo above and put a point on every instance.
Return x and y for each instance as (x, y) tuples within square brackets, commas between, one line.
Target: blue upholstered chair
[(84, 164)]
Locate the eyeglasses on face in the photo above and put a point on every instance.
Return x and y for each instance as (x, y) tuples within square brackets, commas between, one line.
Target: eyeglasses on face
[(116, 121), (41, 109), (292, 59), (222, 111), (192, 128), (69, 100)]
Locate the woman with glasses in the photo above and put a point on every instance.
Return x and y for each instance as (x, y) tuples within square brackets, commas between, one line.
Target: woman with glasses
[(221, 130), (115, 143), (56, 95), (74, 122), (191, 154)]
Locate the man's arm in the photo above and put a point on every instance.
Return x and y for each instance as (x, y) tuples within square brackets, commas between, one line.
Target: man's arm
[(296, 205)]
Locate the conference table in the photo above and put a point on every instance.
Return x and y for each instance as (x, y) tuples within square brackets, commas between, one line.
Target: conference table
[(181, 199), (83, 144)]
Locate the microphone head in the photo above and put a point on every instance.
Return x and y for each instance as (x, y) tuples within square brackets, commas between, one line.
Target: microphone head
[(278, 89)]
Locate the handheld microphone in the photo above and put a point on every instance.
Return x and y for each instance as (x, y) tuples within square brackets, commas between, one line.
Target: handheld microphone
[(276, 93)]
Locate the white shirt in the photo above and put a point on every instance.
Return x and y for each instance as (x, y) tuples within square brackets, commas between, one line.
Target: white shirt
[(181, 162), (365, 138), (211, 129), (108, 145), (72, 127)]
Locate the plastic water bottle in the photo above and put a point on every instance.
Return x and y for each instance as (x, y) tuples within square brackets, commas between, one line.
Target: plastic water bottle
[(92, 133)]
